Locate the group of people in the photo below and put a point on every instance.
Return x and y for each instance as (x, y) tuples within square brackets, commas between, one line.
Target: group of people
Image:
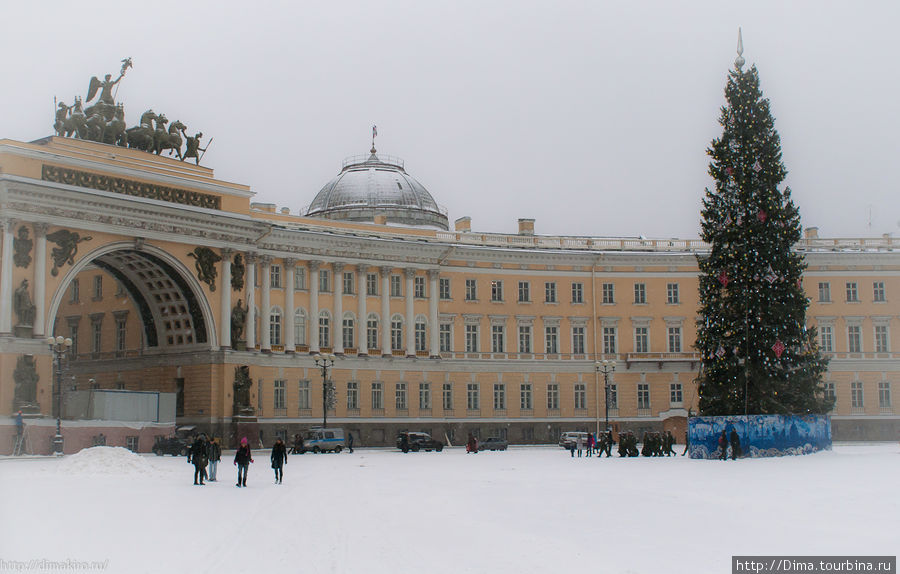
[(206, 452), (658, 444), (601, 444), (652, 444), (726, 439)]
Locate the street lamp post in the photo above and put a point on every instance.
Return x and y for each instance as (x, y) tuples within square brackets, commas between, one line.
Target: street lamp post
[(59, 346), (324, 362), (606, 367)]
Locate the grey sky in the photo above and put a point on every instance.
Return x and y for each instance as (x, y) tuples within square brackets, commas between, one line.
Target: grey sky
[(591, 117)]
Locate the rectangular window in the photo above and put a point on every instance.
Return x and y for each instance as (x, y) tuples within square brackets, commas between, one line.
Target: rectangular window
[(672, 293), (396, 286), (497, 338), (352, 395), (424, 396), (396, 335), (643, 396), (676, 394), (824, 292), (608, 293), (98, 287), (372, 333), (578, 340), (348, 283), (878, 292), (131, 443), (473, 402), (826, 338), (524, 292), (324, 331), (551, 337), (275, 276), (613, 396), (304, 395), (73, 334), (299, 278), (525, 338), (640, 293), (347, 333), (471, 290), (400, 397), (553, 397), (447, 396), (75, 292), (525, 398), (499, 397), (550, 292), (471, 338), (275, 328), (852, 293), (444, 287), (641, 340), (609, 340), (371, 284), (121, 333), (496, 291), (96, 337), (884, 394), (419, 287), (421, 344), (854, 339), (377, 396), (856, 395), (828, 392), (577, 292), (324, 281), (580, 396), (881, 339), (445, 337), (674, 339), (278, 396)]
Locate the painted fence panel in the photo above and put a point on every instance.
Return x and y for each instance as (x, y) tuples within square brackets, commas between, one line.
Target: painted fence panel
[(761, 435)]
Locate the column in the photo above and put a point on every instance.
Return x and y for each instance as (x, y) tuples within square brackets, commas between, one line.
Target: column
[(6, 272), (410, 313), (225, 314), (338, 269), (434, 328), (265, 310), (250, 328), (40, 280), (385, 311), (290, 344), (362, 343), (314, 306)]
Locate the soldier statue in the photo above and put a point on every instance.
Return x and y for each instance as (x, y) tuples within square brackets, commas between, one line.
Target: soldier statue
[(192, 147)]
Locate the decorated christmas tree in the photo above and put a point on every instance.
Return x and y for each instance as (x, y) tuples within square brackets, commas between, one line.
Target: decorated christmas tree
[(758, 355)]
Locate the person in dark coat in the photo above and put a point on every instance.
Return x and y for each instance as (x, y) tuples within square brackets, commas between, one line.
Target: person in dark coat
[(215, 455), (242, 459), (350, 442), (735, 441), (279, 459), (687, 442), (723, 446), (199, 456), (472, 444)]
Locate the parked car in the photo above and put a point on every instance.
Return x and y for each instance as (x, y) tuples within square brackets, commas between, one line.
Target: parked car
[(567, 439), (416, 441), (318, 440), (171, 445), (493, 443)]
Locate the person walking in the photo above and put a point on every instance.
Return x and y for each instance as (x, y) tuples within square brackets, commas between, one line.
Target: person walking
[(279, 459), (199, 456), (735, 441), (723, 446), (590, 444), (350, 442), (242, 459), (215, 455), (687, 442), (579, 444)]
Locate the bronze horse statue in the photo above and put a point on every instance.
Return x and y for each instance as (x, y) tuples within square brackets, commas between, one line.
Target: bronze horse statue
[(114, 133), (168, 140), (141, 137), (76, 123)]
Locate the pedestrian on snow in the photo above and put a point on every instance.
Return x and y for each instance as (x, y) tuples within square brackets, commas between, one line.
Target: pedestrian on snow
[(723, 446), (590, 444), (279, 459), (242, 459), (215, 455), (579, 444), (687, 442), (735, 441), (670, 442), (20, 425), (199, 456), (472, 444), (350, 441)]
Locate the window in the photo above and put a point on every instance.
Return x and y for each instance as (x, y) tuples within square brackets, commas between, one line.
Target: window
[(676, 393), (551, 337), (580, 396), (348, 283), (372, 332), (73, 334), (419, 287), (608, 293), (396, 334), (347, 332), (884, 394), (524, 292), (499, 397), (352, 395), (674, 339), (854, 339), (131, 443), (578, 340), (553, 397), (472, 399), (396, 286), (304, 395), (447, 396), (324, 281), (324, 330), (643, 396), (471, 338), (852, 294), (471, 290), (640, 293), (377, 396), (641, 340), (525, 399), (496, 291), (421, 344), (275, 276), (444, 337), (856, 395), (577, 292), (121, 333), (550, 292), (497, 337), (278, 396), (525, 338), (878, 292), (75, 292), (828, 392), (424, 396), (98, 287), (275, 326), (444, 287), (826, 338), (371, 284), (609, 340), (881, 339), (96, 334), (613, 396), (400, 397), (824, 292), (299, 278), (299, 327), (672, 293)]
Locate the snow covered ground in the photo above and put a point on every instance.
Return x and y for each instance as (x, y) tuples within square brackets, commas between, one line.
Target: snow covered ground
[(380, 511)]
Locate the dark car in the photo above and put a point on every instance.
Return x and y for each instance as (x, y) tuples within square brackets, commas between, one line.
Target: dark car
[(416, 441), (171, 445), (493, 443)]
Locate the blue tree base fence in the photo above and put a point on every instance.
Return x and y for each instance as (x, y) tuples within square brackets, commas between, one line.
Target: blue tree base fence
[(760, 435)]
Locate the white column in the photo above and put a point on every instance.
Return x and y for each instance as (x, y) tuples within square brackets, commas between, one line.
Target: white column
[(314, 306), (410, 313), (265, 309), (290, 344), (6, 272), (40, 280), (434, 327), (225, 314), (386, 311), (250, 328), (338, 269), (362, 339)]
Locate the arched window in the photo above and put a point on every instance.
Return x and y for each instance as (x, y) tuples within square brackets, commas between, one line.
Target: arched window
[(421, 339), (324, 329), (275, 326), (372, 331), (347, 331), (397, 333), (300, 327)]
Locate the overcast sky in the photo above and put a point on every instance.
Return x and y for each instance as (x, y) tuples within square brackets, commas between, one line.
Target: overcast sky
[(592, 118)]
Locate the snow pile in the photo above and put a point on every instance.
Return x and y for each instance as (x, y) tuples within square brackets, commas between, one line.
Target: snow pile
[(105, 460)]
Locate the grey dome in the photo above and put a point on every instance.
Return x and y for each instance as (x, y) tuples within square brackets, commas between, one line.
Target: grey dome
[(371, 185)]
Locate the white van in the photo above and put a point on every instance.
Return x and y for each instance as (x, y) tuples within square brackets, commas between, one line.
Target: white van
[(323, 440), (567, 440)]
